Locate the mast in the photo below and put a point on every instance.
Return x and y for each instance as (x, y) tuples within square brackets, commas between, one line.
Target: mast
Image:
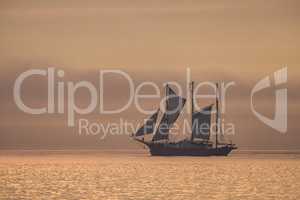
[(217, 114), (167, 101), (221, 114), (192, 107)]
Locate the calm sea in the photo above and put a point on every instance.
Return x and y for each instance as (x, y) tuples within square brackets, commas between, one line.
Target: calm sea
[(127, 175)]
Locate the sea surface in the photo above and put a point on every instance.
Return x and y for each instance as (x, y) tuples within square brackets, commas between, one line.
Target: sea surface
[(131, 175)]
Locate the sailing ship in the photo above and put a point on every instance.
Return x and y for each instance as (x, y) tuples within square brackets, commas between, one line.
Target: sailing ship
[(199, 143)]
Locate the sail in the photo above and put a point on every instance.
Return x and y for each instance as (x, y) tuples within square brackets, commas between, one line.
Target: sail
[(201, 123), (162, 131), (148, 126), (170, 93), (174, 105)]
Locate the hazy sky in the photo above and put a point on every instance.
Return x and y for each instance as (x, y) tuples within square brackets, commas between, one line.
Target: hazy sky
[(241, 41)]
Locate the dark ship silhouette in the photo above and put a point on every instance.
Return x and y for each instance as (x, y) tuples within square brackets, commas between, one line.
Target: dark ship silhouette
[(199, 143)]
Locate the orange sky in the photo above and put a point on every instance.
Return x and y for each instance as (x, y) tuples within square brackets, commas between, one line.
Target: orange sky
[(241, 41)]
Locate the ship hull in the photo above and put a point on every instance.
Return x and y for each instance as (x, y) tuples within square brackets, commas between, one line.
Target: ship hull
[(169, 150)]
